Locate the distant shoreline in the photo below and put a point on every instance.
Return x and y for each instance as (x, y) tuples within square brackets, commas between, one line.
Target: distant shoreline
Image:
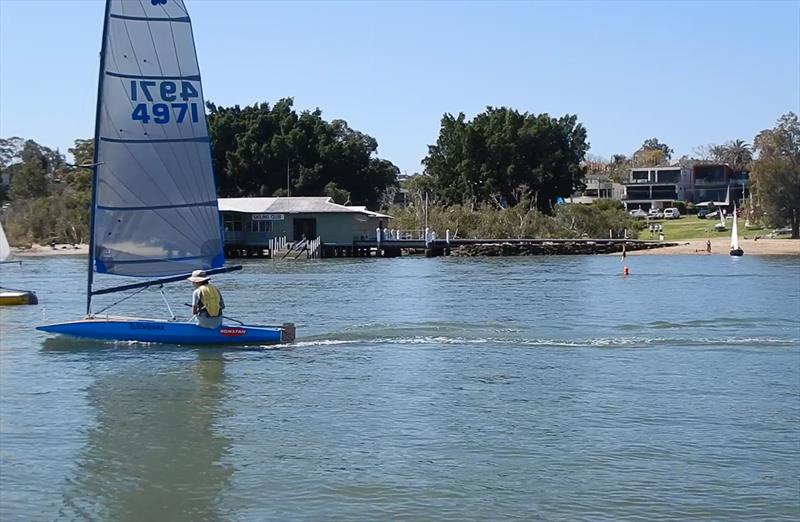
[(47, 250), (719, 246)]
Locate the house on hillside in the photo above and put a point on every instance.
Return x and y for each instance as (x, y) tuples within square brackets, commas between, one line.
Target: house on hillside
[(250, 223), (658, 187), (714, 182)]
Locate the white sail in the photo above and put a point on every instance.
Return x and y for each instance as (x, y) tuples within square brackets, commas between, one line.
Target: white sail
[(734, 232), (155, 204), (5, 248)]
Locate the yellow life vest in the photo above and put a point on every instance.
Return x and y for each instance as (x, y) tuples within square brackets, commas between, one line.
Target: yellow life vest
[(210, 299)]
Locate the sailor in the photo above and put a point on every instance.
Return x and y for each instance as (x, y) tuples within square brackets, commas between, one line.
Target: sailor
[(207, 302)]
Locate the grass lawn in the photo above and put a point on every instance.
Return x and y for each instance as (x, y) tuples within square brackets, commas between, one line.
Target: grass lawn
[(690, 227)]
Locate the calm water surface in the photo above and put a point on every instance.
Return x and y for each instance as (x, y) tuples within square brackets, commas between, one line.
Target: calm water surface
[(420, 389)]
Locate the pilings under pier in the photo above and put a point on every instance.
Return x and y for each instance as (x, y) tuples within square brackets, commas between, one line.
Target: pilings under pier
[(464, 248)]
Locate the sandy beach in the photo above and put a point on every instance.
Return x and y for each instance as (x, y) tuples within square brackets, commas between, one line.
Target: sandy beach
[(47, 250), (721, 246)]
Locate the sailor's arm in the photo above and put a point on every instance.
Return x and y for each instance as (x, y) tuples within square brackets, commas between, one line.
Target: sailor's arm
[(196, 302)]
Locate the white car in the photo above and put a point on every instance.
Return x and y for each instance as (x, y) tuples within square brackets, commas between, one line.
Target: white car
[(655, 213), (638, 213), (671, 213)]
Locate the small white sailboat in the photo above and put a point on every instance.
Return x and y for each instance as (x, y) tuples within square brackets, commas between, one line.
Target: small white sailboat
[(735, 249), (154, 206), (721, 227), (10, 296)]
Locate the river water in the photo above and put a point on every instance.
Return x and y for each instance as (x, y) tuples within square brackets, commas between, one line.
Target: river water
[(541, 388)]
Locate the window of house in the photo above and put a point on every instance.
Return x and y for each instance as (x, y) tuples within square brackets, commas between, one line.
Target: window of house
[(231, 224), (260, 226), (669, 176)]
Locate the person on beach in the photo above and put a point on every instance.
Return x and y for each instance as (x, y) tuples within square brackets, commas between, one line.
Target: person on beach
[(207, 302), (708, 246)]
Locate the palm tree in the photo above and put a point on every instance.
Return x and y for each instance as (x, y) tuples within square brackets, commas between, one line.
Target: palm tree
[(739, 154)]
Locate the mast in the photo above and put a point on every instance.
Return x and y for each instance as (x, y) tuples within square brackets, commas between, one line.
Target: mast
[(90, 267)]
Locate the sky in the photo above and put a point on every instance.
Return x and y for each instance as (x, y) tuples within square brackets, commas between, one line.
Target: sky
[(687, 73)]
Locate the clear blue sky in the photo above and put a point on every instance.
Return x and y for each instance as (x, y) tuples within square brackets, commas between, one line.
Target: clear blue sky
[(688, 73)]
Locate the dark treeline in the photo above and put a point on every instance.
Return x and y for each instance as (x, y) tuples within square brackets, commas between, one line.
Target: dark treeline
[(500, 174), (265, 151)]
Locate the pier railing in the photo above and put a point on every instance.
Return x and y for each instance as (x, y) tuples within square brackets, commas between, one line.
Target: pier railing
[(314, 248)]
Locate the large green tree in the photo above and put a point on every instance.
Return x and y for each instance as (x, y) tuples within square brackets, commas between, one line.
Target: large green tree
[(44, 208), (30, 176), (776, 172), (503, 157), (652, 153), (265, 151)]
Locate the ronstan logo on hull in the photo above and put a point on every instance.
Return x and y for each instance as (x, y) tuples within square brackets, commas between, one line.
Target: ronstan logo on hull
[(232, 331)]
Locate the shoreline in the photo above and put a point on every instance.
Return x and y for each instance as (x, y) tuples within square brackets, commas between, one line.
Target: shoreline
[(719, 246), (60, 249)]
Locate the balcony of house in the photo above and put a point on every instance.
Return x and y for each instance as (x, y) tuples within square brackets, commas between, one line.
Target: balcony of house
[(640, 176), (651, 192), (597, 193), (672, 175), (712, 175), (668, 176)]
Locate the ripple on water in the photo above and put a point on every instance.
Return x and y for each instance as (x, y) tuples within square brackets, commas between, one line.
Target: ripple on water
[(420, 389)]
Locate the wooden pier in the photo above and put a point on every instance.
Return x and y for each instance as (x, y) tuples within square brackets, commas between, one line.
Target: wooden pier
[(487, 247), (443, 247)]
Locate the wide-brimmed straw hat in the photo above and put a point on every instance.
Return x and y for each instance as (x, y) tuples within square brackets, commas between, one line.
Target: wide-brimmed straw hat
[(198, 276)]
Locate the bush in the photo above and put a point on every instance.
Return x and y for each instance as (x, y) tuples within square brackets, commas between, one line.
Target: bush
[(520, 221), (58, 219)]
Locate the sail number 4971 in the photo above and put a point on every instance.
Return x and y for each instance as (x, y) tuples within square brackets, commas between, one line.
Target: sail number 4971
[(166, 91)]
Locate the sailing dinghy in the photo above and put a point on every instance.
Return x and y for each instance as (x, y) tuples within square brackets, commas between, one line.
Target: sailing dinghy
[(10, 296), (154, 207), (735, 249)]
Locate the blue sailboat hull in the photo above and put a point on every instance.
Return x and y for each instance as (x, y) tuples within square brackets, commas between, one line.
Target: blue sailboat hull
[(169, 332)]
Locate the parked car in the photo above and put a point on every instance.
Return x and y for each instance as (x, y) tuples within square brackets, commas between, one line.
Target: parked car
[(671, 213), (780, 232), (655, 213), (638, 213), (702, 213)]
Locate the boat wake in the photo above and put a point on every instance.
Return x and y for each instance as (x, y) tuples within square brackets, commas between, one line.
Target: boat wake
[(594, 342)]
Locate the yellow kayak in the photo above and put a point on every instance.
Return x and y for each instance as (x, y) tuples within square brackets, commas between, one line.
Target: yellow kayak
[(17, 297)]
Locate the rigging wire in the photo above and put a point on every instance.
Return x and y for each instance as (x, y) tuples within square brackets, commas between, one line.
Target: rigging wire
[(121, 300)]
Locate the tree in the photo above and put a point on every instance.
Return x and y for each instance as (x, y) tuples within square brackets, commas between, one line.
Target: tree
[(503, 156), (30, 180), (619, 168), (652, 153), (258, 150), (338, 195), (776, 173), (80, 178), (10, 151), (736, 153)]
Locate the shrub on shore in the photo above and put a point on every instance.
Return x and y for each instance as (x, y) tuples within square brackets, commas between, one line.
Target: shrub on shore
[(51, 219), (520, 221)]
